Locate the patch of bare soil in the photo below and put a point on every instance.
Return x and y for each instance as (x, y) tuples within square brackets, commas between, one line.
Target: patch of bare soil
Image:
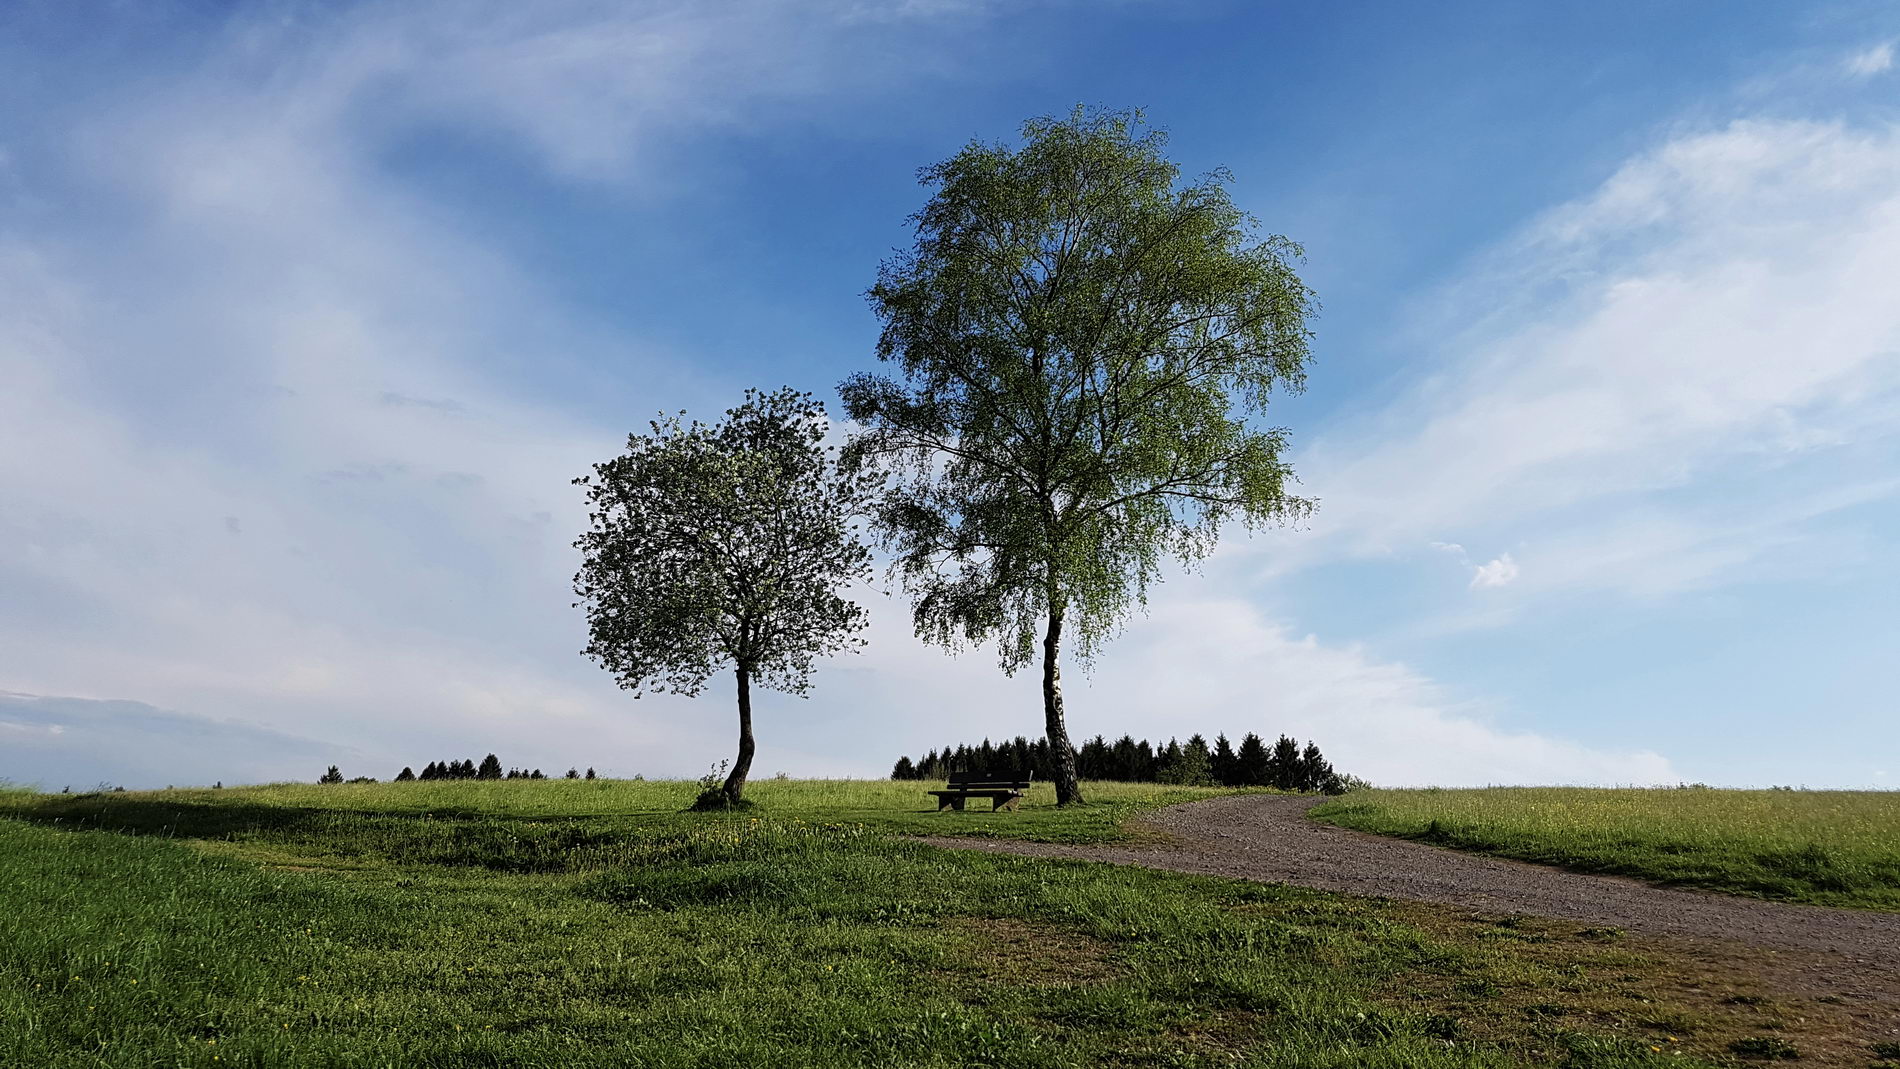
[(1023, 953)]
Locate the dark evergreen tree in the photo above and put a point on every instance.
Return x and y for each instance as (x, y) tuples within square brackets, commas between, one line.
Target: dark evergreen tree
[(1222, 761), (332, 776), (1283, 765), (407, 775), (573, 773), (590, 773), (1316, 773), (1168, 763), (1250, 764), (536, 774), (904, 769), (491, 768)]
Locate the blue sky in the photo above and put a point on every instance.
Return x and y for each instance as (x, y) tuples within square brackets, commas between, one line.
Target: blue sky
[(309, 312)]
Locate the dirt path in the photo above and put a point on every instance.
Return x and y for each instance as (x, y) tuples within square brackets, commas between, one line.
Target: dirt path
[(1269, 838)]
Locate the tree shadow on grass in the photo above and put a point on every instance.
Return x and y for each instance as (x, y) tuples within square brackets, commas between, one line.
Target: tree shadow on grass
[(442, 837)]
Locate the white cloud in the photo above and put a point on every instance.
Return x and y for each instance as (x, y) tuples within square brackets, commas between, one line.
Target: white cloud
[(1719, 310), (1499, 572), (250, 464), (1205, 660), (1206, 663), (1869, 62)]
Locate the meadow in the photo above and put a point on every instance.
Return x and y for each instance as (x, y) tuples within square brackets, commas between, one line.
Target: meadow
[(1839, 848), (560, 923)]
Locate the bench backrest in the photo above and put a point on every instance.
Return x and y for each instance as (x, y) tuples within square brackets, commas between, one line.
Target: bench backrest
[(997, 780)]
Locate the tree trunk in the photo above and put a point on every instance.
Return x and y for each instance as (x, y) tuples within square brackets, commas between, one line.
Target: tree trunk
[(735, 783), (1060, 752)]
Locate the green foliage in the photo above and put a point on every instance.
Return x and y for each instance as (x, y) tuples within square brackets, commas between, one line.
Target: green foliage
[(1081, 341), (1076, 332), (723, 545), (332, 776), (1191, 764), (1832, 847)]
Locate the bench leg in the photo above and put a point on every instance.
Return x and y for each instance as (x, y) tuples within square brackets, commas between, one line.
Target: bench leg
[(957, 803)]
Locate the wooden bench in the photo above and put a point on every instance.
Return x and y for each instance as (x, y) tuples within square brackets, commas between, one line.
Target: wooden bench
[(1003, 789)]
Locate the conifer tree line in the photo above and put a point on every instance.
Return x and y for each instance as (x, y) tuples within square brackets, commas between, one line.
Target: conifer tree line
[(490, 768), (1285, 765)]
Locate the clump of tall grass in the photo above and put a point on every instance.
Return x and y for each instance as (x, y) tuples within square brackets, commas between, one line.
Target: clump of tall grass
[(1832, 847)]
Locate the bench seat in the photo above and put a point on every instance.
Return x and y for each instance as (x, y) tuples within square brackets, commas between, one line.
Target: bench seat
[(1003, 789)]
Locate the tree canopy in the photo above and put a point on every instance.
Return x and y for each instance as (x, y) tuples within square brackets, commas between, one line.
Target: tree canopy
[(1081, 341), (724, 546)]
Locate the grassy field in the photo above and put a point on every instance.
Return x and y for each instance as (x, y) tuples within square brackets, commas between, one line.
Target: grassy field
[(592, 924), (1833, 847)]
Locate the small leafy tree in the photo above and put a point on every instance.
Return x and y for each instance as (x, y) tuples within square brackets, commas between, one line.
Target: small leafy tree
[(1081, 340), (573, 773), (1197, 764), (724, 546)]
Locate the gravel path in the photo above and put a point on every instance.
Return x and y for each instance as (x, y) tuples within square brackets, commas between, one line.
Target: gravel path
[(1269, 838)]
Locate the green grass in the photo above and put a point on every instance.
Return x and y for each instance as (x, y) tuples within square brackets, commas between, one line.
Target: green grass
[(901, 807), (563, 924), (1837, 848)]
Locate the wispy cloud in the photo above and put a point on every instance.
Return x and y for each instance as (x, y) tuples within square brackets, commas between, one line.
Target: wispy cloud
[(1870, 61), (1718, 311)]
